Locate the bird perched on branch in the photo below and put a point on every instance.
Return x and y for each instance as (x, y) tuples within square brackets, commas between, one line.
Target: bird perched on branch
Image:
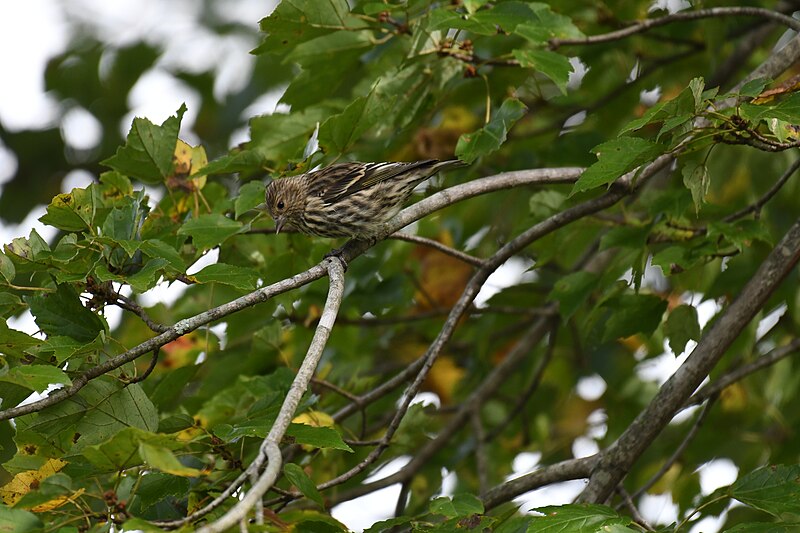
[(347, 199)]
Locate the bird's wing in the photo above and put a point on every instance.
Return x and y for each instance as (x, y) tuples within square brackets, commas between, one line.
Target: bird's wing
[(343, 179)]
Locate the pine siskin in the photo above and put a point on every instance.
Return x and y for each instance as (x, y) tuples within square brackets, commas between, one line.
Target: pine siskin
[(347, 199)]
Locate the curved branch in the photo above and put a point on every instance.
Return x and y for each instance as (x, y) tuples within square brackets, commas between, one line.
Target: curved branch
[(563, 471), (270, 447), (649, 24)]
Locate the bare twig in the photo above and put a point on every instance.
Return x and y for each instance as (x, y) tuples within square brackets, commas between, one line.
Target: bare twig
[(649, 24), (147, 371), (761, 202), (716, 386), (436, 245), (627, 501)]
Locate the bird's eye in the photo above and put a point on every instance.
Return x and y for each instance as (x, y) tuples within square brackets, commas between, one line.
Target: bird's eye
[(281, 205)]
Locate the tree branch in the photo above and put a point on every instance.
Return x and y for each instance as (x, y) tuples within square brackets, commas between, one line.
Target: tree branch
[(422, 208), (649, 24), (617, 460)]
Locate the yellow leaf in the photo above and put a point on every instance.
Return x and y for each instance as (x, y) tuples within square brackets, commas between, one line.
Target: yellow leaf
[(57, 502), (24, 482), (315, 418)]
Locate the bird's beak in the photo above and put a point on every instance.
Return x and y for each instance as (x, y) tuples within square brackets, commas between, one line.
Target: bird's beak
[(279, 222)]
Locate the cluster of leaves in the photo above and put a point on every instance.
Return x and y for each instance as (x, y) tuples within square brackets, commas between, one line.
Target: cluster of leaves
[(402, 80)]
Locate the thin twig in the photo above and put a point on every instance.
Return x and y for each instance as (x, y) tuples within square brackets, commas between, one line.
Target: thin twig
[(649, 24), (716, 386), (635, 514), (678, 451), (147, 371), (436, 245), (761, 202)]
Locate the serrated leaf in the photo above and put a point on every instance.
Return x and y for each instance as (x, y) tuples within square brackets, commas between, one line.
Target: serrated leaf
[(486, 140), (696, 179), (553, 65), (787, 109), (147, 154), (100, 410), (7, 269), (36, 377), (236, 161), (278, 138), (235, 276), (616, 158), (576, 518), (62, 313), (772, 489), (547, 25), (76, 210), (298, 477), (340, 132), (155, 248), (297, 21), (163, 459), (209, 230), (251, 195), (633, 313), (318, 437), (681, 327)]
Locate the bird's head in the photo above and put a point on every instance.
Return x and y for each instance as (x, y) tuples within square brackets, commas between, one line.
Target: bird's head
[(285, 201)]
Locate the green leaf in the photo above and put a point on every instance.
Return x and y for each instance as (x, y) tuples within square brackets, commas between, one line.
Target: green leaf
[(155, 248), (633, 313), (209, 230), (682, 326), (554, 66), (61, 313), (577, 518), (100, 410), (155, 486), (278, 138), (10, 304), (236, 161), (163, 459), (15, 343), (754, 87), (459, 505), (304, 484), (503, 17), (572, 290), (317, 436), (36, 377), (121, 450), (297, 21), (251, 195), (486, 140), (7, 269), (772, 489), (64, 348), (77, 210), (615, 158), (696, 179), (787, 109), (340, 132), (547, 25), (18, 520), (147, 154), (235, 276), (546, 203)]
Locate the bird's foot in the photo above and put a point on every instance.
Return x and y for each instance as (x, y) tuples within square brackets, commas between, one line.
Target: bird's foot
[(338, 253)]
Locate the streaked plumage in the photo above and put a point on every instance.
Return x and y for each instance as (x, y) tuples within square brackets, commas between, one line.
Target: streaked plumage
[(347, 199)]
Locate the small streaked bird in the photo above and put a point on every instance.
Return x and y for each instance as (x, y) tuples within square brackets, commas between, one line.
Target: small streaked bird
[(347, 199)]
